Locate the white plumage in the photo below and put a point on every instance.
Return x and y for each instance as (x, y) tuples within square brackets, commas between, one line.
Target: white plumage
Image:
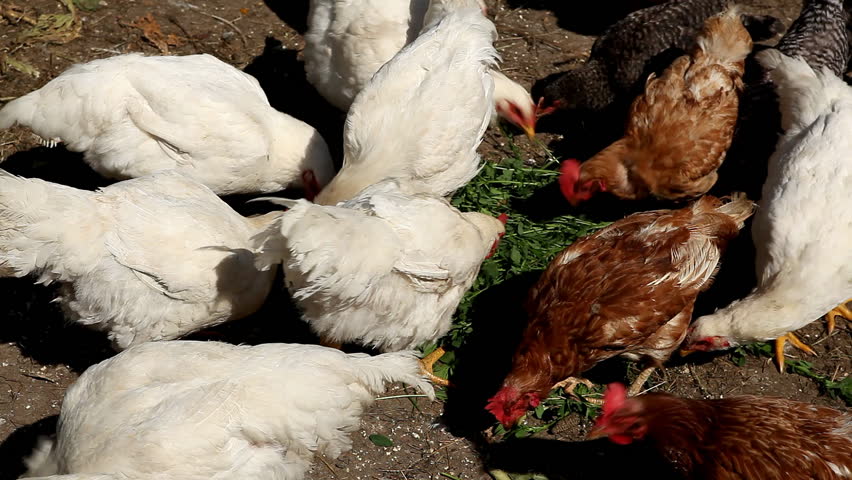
[(422, 116), (209, 410), (803, 224), (386, 269), (348, 41), (133, 115), (152, 258)]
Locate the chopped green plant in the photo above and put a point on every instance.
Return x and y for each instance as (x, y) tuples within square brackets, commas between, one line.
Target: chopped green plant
[(380, 440)]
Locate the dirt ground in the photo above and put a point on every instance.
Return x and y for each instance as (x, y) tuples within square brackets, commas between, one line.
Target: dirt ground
[(40, 355)]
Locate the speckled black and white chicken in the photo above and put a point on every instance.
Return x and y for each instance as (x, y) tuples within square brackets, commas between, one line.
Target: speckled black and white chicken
[(207, 410), (348, 41), (627, 52)]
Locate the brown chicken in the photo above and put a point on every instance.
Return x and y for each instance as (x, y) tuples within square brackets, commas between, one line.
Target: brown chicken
[(735, 438), (626, 290), (679, 129)]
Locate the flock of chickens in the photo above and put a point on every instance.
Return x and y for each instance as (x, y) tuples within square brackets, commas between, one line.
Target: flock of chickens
[(377, 256)]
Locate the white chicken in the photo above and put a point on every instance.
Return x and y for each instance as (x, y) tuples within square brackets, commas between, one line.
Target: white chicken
[(209, 410), (152, 258), (348, 41), (422, 116), (802, 227), (133, 115), (386, 269)]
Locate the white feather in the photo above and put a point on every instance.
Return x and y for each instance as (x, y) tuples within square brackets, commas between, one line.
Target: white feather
[(133, 115), (804, 221), (423, 115), (217, 411), (385, 269), (147, 259)]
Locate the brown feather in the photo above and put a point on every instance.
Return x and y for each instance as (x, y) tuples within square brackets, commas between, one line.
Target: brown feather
[(626, 290), (749, 437), (681, 126)]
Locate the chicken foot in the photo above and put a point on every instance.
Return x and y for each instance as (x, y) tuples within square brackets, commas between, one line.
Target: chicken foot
[(569, 384), (637, 384), (427, 364), (794, 340), (839, 311)]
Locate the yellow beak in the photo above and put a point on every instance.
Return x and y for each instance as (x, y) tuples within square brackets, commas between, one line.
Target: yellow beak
[(685, 351), (529, 130)]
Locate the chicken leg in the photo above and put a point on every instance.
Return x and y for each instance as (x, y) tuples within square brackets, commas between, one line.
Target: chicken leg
[(427, 363), (839, 311), (794, 340), (569, 384), (637, 384)]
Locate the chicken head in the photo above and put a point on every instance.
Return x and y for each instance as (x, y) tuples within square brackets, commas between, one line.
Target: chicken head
[(503, 218), (621, 419), (509, 404), (514, 103), (573, 188)]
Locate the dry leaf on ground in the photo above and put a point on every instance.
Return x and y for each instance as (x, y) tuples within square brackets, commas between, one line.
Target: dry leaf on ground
[(152, 32)]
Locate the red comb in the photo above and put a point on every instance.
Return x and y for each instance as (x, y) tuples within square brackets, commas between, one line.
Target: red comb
[(569, 175), (614, 398), (503, 218)]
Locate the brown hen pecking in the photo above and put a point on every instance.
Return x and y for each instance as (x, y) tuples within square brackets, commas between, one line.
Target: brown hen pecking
[(744, 437), (626, 290), (679, 129)]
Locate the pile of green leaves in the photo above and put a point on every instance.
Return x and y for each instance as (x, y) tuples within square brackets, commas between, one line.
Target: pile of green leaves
[(529, 245)]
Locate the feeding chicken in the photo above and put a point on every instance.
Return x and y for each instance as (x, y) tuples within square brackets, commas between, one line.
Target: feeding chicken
[(620, 58), (386, 269), (204, 410), (678, 130), (348, 42), (742, 437), (627, 290), (801, 230), (152, 258), (422, 116), (133, 115)]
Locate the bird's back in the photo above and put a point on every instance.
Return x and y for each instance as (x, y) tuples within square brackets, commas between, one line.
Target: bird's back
[(219, 410), (819, 35), (423, 114), (628, 45), (348, 41)]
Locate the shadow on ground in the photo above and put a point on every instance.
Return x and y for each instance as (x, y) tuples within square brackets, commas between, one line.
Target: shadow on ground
[(20, 445)]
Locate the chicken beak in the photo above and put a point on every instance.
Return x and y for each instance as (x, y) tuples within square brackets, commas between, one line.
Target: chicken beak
[(529, 129), (685, 351)]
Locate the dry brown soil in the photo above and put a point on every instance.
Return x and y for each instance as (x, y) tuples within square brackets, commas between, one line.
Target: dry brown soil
[(40, 355)]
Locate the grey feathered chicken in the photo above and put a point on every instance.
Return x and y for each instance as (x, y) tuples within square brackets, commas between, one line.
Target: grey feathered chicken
[(645, 41)]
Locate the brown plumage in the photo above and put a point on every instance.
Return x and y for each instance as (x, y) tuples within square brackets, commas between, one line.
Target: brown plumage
[(626, 290), (679, 129), (737, 438)]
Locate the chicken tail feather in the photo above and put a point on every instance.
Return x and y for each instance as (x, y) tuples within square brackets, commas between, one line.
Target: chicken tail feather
[(739, 208), (42, 227), (402, 367), (725, 38)]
